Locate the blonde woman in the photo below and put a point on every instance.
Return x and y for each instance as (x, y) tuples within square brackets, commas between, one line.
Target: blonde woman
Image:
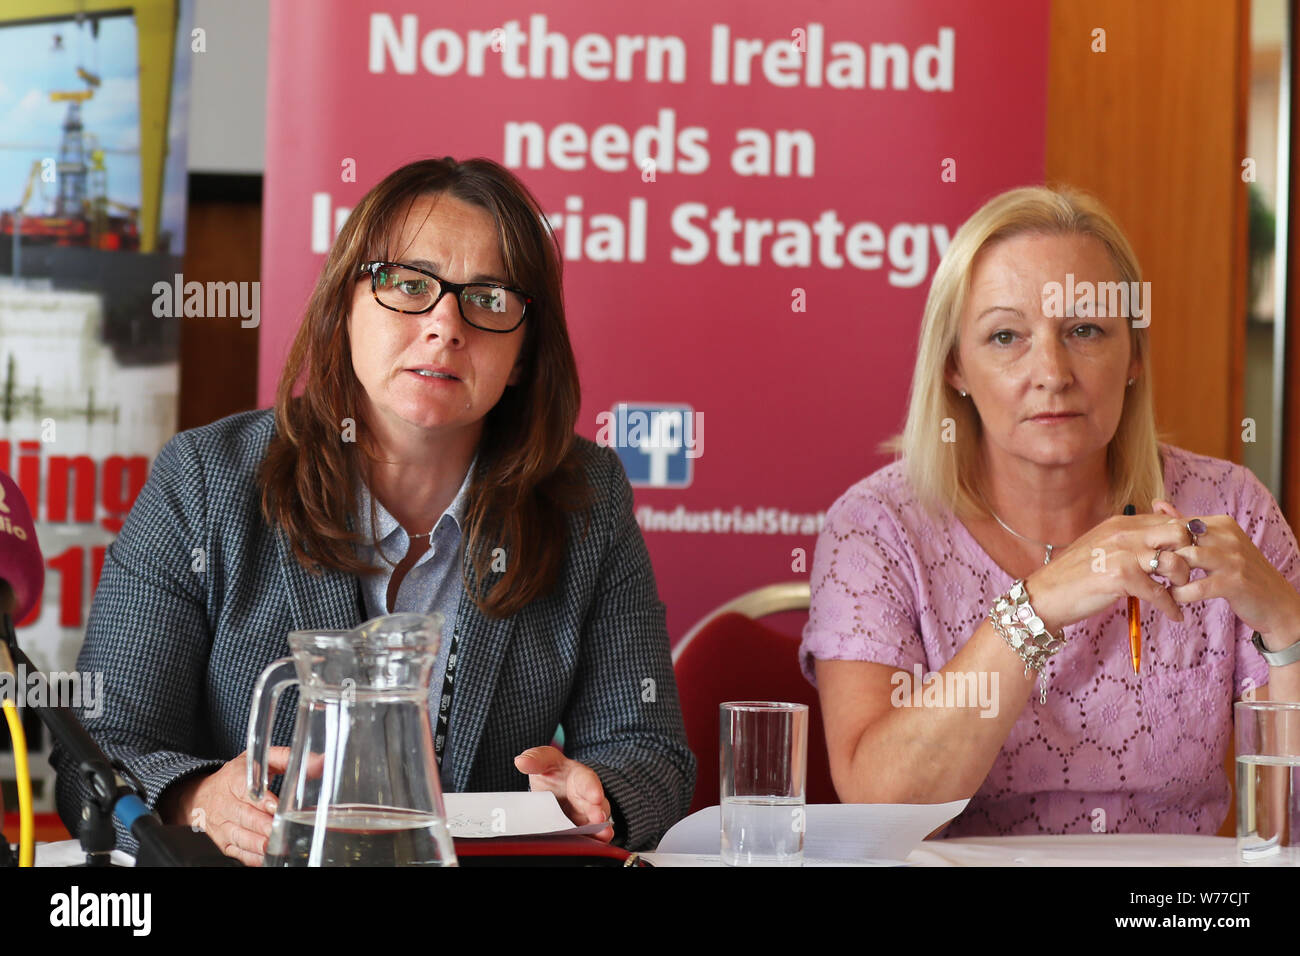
[(990, 564)]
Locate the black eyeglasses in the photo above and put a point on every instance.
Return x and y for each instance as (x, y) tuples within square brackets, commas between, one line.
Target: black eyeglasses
[(489, 306)]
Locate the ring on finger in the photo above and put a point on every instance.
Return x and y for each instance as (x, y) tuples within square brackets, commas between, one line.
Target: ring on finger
[(1154, 565), (1196, 528)]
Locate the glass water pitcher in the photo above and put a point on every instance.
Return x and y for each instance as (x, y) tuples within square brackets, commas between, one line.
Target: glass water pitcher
[(361, 788)]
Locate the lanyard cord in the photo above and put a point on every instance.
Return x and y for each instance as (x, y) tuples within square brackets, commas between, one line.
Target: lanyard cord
[(444, 704)]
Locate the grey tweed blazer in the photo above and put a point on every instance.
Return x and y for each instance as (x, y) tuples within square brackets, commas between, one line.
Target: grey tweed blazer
[(180, 649)]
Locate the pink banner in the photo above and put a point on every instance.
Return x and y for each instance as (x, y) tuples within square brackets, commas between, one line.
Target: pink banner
[(751, 202)]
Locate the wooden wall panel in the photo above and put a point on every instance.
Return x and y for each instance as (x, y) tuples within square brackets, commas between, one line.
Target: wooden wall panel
[(218, 355), (1291, 387), (1155, 127)]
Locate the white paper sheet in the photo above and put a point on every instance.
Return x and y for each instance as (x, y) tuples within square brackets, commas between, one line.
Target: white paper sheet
[(513, 813), (857, 832)]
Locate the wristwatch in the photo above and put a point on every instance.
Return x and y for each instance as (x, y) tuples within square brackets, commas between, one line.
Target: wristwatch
[(1288, 655)]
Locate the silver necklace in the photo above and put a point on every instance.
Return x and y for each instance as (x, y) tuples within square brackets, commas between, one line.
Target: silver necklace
[(1041, 544)]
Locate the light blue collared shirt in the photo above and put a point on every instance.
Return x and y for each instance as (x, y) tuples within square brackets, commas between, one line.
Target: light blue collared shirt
[(432, 585)]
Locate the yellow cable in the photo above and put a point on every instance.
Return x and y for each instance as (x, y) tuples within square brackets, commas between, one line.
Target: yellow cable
[(26, 822)]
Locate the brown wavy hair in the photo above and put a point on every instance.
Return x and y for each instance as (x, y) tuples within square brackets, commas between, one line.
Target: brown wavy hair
[(527, 479)]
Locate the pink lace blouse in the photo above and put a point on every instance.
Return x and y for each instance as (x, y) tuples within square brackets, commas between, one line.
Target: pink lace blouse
[(895, 584)]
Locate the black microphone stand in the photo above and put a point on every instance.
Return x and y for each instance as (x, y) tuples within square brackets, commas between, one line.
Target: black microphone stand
[(109, 783)]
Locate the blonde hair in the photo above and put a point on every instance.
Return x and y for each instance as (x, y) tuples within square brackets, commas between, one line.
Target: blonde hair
[(949, 473)]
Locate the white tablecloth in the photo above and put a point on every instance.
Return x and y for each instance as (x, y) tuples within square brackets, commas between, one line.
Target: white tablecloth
[(1100, 849), (1079, 849), (68, 853)]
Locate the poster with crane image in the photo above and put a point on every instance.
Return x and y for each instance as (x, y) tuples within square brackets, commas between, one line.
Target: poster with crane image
[(93, 128)]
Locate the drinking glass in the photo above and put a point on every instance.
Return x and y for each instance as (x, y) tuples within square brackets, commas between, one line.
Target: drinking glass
[(1268, 781), (764, 766)]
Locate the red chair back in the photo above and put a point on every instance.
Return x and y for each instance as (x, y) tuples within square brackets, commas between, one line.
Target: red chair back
[(737, 658)]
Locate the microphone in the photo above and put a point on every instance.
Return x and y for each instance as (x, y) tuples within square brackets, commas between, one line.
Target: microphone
[(22, 578), (22, 568)]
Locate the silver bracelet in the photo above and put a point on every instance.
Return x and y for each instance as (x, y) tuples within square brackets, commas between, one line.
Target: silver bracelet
[(1017, 624), (1288, 655)]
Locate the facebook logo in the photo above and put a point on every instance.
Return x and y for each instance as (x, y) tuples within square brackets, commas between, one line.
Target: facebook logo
[(657, 443)]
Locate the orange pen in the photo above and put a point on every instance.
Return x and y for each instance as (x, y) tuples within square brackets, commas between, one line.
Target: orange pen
[(1134, 633), (1134, 624)]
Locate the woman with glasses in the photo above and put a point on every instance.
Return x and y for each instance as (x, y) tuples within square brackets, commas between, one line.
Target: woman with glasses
[(420, 457), (969, 630)]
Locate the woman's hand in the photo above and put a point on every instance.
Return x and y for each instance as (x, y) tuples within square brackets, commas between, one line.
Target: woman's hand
[(575, 785), (1239, 573), (1109, 562), (218, 804)]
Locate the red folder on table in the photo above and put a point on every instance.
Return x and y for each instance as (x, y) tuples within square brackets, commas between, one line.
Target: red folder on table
[(566, 850)]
